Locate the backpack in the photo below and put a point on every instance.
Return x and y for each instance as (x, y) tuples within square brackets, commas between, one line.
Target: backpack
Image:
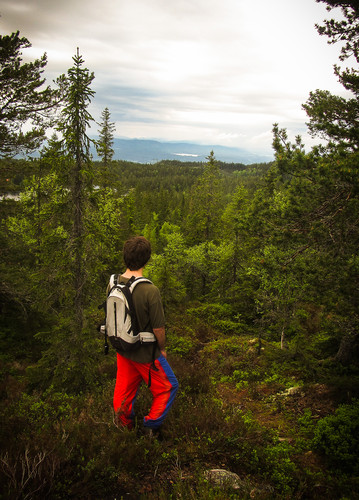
[(121, 325)]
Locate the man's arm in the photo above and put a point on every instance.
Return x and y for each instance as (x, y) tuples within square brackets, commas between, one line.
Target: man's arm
[(160, 335)]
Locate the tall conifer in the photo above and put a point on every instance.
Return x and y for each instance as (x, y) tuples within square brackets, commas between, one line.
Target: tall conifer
[(75, 121), (105, 143)]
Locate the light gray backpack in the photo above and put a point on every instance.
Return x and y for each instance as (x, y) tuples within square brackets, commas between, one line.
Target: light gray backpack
[(121, 320)]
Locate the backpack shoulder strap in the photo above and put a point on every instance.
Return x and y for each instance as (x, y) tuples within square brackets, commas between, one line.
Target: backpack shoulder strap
[(126, 290), (113, 280), (137, 281)]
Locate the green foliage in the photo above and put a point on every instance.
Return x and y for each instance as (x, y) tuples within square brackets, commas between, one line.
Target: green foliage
[(337, 436), (45, 410), (182, 346), (61, 364), (75, 117), (306, 422), (281, 469), (105, 142), (166, 269), (205, 205), (73, 435), (246, 258), (23, 99), (218, 316), (344, 29), (104, 221), (334, 118)]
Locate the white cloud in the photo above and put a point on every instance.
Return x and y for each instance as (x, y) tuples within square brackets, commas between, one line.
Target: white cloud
[(207, 70)]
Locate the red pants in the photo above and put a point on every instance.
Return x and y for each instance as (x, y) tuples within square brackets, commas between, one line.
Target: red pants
[(163, 386)]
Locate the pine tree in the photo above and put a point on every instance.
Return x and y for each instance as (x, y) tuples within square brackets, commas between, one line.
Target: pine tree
[(22, 98), (332, 117), (337, 120), (323, 185)]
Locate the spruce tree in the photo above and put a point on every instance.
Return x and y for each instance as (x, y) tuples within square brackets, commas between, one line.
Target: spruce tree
[(68, 361), (205, 204), (205, 209), (105, 143), (75, 121)]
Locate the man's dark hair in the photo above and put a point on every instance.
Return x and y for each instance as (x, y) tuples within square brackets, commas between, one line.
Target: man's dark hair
[(136, 252)]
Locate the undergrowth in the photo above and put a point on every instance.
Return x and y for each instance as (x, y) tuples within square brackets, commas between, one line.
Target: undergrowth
[(280, 428)]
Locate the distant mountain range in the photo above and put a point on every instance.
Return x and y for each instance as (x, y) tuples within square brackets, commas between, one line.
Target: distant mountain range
[(149, 151)]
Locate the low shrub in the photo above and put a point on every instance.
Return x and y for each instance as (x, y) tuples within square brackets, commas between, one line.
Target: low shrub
[(219, 316), (337, 436)]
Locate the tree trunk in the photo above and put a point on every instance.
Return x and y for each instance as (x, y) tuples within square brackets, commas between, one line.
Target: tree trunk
[(348, 348), (283, 341), (78, 237)]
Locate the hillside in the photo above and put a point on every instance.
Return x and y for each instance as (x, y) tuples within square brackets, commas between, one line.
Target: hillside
[(253, 417), (150, 151), (256, 335)]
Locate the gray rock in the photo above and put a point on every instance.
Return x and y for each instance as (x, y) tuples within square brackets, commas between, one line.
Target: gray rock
[(222, 477), (292, 391)]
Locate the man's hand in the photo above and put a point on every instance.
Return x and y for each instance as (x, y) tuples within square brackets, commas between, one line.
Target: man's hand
[(160, 335)]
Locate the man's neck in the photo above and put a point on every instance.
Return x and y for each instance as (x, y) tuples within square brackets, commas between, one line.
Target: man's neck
[(137, 274)]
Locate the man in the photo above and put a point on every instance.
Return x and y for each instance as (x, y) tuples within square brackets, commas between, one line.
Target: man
[(149, 361)]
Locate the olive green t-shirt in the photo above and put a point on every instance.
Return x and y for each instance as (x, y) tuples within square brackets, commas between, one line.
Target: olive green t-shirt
[(148, 304)]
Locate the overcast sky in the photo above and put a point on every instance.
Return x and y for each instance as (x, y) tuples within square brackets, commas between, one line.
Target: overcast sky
[(208, 71)]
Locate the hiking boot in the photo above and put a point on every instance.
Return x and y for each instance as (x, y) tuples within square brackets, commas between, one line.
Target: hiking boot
[(153, 433), (117, 423)]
